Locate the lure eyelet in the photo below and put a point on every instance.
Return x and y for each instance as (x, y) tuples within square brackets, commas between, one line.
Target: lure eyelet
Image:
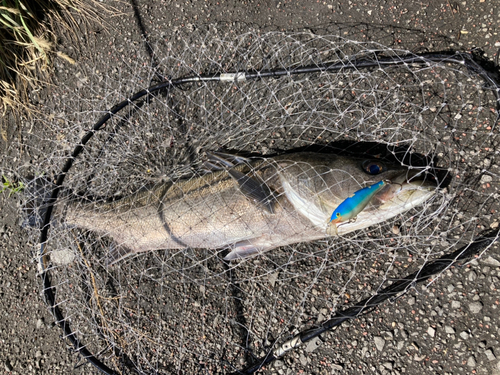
[(373, 167)]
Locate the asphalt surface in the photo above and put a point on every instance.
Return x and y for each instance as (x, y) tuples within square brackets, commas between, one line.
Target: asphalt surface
[(452, 328)]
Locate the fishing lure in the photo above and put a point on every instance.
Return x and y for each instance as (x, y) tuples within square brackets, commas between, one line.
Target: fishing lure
[(352, 206)]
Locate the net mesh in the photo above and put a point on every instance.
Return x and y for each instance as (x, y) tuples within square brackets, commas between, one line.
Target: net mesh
[(182, 310)]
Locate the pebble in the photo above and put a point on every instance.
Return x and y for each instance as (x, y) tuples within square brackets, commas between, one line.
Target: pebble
[(486, 178), (489, 354), (418, 358), (379, 343), (475, 307), (471, 361), (303, 359), (472, 276), (62, 257), (364, 350), (431, 331), (490, 260), (272, 278), (449, 329)]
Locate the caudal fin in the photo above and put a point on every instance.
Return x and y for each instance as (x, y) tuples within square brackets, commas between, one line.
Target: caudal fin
[(37, 193)]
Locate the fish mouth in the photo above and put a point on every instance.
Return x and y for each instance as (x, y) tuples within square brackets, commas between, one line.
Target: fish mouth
[(408, 188), (427, 176), (394, 199)]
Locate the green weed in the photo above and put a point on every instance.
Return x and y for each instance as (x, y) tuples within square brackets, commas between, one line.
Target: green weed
[(10, 186)]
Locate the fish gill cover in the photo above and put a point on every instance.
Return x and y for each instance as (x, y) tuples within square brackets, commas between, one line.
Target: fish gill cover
[(184, 310)]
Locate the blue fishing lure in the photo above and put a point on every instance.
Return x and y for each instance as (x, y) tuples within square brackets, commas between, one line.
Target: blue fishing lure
[(352, 206)]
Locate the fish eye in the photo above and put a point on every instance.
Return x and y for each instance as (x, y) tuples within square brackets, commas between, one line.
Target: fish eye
[(373, 167), (338, 214)]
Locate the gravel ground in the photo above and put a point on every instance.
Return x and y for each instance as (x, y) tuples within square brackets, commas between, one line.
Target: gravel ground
[(451, 328)]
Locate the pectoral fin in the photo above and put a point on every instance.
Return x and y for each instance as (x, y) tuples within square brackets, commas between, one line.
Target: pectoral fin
[(251, 187), (254, 190)]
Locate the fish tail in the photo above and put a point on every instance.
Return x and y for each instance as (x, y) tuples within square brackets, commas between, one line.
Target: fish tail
[(37, 193)]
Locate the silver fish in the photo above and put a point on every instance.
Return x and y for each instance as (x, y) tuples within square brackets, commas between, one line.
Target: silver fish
[(251, 205)]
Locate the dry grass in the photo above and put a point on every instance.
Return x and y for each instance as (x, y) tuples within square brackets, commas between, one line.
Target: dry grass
[(28, 45)]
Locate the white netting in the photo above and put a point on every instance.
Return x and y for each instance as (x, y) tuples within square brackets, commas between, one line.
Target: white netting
[(185, 309)]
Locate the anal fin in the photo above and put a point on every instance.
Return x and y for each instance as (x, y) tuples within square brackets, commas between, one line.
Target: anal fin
[(243, 249)]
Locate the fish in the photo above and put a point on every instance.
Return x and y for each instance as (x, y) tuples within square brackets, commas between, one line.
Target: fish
[(245, 206)]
